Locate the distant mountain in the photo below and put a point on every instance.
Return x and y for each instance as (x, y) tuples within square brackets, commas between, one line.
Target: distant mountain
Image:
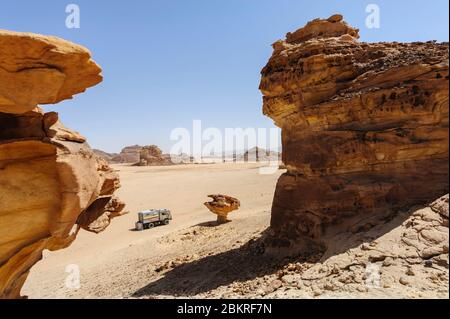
[(128, 155), (257, 154), (144, 156), (152, 155), (107, 156)]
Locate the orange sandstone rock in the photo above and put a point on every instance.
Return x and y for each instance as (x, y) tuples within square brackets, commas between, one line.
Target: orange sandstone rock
[(51, 183), (36, 70), (364, 129)]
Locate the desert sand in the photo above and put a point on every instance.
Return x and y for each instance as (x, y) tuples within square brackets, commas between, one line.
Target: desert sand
[(120, 253), (361, 210), (193, 257)]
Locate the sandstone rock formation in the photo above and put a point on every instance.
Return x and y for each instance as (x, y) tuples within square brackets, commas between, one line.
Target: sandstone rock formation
[(364, 129), (257, 154), (152, 156), (129, 154), (222, 205), (37, 69), (104, 155), (143, 156), (51, 183)]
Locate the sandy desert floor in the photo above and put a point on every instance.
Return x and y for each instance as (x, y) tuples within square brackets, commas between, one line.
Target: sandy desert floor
[(195, 258), (106, 258)]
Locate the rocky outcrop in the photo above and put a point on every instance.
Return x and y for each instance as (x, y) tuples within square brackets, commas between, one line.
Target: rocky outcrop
[(143, 156), (222, 205), (364, 129), (51, 183), (152, 156), (104, 155), (36, 69), (257, 154), (128, 155)]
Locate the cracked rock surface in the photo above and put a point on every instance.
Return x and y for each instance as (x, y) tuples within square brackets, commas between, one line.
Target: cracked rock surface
[(364, 129), (51, 183)]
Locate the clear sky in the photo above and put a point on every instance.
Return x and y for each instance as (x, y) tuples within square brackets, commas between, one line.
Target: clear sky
[(169, 62)]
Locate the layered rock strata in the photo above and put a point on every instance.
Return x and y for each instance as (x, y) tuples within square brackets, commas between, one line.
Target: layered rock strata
[(152, 156), (51, 183), (364, 129)]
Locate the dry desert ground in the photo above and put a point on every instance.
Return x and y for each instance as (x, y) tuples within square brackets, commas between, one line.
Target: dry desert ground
[(116, 263), (193, 257)]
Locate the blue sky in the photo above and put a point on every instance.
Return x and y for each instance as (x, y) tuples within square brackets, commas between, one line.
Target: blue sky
[(169, 62)]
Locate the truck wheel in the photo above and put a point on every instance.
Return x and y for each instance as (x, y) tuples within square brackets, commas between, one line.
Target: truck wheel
[(151, 225), (166, 222)]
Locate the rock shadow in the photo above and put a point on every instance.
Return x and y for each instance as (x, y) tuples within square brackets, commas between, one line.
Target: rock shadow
[(252, 260), (237, 265), (210, 224)]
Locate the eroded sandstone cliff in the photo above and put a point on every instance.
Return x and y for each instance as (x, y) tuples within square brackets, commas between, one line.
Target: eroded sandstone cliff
[(152, 156), (51, 183), (364, 129)]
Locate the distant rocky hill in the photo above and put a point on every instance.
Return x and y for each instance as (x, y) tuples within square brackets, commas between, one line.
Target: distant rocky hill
[(152, 155), (106, 156), (143, 156), (128, 155), (257, 154)]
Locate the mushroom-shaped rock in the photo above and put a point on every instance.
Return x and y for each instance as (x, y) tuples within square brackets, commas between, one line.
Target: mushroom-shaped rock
[(222, 205), (51, 183)]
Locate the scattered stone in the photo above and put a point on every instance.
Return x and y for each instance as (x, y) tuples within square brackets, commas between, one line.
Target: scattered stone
[(389, 261), (276, 284), (405, 281), (289, 279), (361, 288), (410, 272), (376, 256), (441, 206)]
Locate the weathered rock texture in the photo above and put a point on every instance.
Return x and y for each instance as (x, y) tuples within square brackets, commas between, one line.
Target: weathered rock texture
[(36, 69), (104, 155), (364, 129), (51, 183), (222, 205), (129, 154), (257, 154), (143, 156), (152, 156)]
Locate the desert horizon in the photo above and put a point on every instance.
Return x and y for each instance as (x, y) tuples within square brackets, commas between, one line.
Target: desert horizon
[(244, 154)]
